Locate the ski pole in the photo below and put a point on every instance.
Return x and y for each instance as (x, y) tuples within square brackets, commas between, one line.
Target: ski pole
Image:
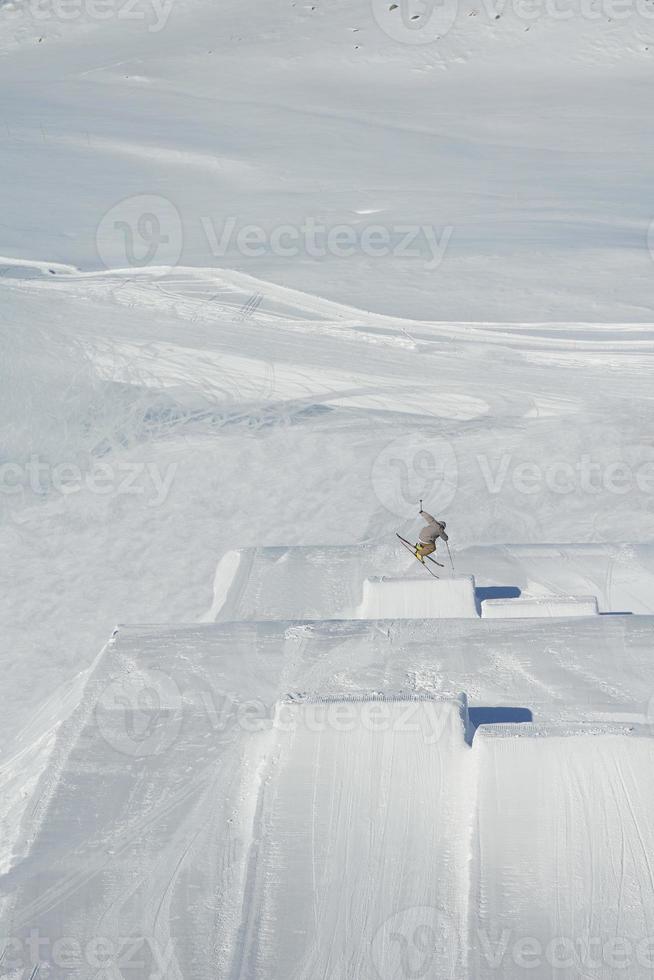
[(447, 545), (397, 532)]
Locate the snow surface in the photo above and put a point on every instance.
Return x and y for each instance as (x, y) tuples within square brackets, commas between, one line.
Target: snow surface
[(570, 815), (202, 436), (318, 806), (328, 582), (570, 605), (417, 598)]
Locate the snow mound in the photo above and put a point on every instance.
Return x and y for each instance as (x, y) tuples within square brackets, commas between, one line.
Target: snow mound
[(419, 598), (540, 607)]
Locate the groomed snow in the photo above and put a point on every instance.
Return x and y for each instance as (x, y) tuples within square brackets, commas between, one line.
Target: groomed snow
[(359, 791), (418, 598), (518, 608), (562, 882), (316, 764), (327, 582), (195, 432)]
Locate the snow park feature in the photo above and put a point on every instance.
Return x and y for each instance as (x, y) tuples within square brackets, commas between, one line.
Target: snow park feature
[(346, 765), (417, 598), (340, 756), (288, 291), (538, 606), (566, 835), (327, 582)]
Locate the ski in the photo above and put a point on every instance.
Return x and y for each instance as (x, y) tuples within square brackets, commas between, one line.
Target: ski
[(406, 544), (413, 549)]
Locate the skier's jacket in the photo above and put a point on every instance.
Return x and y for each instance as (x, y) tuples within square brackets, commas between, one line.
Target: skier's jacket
[(433, 530)]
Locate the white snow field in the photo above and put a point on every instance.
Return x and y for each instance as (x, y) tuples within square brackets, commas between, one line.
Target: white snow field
[(272, 272)]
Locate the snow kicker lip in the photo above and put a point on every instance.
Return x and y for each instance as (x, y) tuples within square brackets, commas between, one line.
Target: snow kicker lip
[(352, 697), (575, 730), (428, 716)]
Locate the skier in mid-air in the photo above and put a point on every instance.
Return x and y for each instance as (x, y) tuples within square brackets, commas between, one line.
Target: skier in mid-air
[(426, 544)]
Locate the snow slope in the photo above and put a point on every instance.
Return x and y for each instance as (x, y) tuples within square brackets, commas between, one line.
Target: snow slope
[(506, 135), (193, 431), (360, 792), (564, 885), (241, 830), (307, 425)]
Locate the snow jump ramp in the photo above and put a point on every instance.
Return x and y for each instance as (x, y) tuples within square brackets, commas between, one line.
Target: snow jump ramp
[(423, 597), (540, 607), (564, 845), (359, 840)]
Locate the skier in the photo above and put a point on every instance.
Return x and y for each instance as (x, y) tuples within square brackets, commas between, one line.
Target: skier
[(427, 538)]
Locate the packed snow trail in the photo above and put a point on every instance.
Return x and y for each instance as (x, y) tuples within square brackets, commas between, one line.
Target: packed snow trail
[(361, 843)]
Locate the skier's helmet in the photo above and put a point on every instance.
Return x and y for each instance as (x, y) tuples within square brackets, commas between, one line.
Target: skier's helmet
[(443, 524)]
